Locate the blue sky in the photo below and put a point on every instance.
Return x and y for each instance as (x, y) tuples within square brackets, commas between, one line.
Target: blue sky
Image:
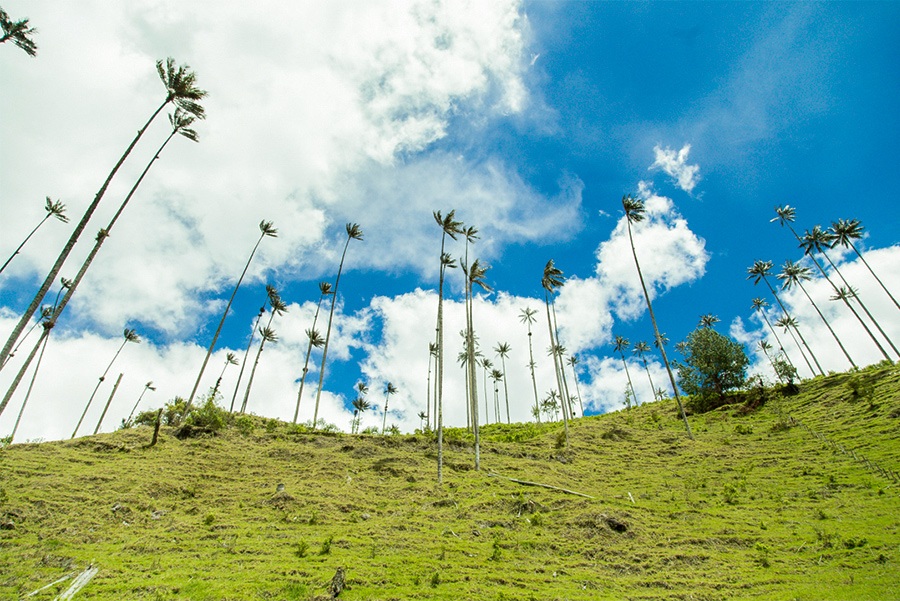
[(530, 119)]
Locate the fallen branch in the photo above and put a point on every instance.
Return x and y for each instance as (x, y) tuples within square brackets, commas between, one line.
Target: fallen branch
[(526, 483), (79, 583), (45, 587)]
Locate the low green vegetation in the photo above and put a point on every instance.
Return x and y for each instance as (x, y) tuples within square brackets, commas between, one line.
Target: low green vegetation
[(781, 496)]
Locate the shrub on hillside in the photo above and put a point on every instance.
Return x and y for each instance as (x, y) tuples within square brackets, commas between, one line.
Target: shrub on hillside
[(713, 365)]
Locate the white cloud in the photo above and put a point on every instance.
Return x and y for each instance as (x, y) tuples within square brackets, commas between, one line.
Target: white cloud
[(675, 165), (318, 114)]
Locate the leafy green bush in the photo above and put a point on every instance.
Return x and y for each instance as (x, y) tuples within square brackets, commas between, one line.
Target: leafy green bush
[(713, 364)]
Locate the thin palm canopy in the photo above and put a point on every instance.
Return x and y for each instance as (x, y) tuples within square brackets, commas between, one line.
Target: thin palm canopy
[(18, 32), (181, 87), (634, 208)]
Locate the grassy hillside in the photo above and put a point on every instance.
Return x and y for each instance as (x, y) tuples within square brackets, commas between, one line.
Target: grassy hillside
[(776, 503)]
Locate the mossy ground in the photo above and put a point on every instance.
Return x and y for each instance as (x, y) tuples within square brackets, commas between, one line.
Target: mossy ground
[(754, 508)]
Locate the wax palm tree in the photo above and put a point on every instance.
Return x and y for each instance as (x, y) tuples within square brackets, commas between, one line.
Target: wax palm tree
[(253, 329), (845, 232), (526, 316), (129, 336), (552, 280), (267, 334), (432, 354), (759, 305), (708, 320), (46, 312), (449, 227), (180, 90), (55, 209), (634, 213), (639, 349), (354, 232), (486, 366), (18, 32), (471, 235), (502, 349), (315, 340), (819, 239), (389, 389), (622, 343), (794, 273), (573, 361), (550, 405), (475, 275), (37, 368), (230, 359), (181, 123), (148, 386), (785, 216), (360, 406), (759, 271), (765, 347), (266, 229), (496, 376), (789, 324), (423, 419)]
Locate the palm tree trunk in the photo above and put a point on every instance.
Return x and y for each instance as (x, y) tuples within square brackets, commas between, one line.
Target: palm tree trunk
[(662, 350), (73, 238), (212, 345), (237, 385), (37, 368), (827, 325), (337, 282), (308, 353), (865, 309), (802, 339), (28, 237), (556, 364), (262, 343), (778, 340), (108, 402), (505, 389), (93, 394), (883, 287), (537, 404), (650, 379), (628, 375)]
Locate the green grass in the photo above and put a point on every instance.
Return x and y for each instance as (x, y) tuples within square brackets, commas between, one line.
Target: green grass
[(757, 507)]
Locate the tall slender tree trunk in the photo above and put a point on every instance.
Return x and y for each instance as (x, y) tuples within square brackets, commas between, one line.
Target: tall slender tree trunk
[(505, 389), (827, 325), (337, 282), (25, 241), (865, 310), (73, 238), (37, 368), (553, 344), (877, 279), (93, 394), (785, 311), (262, 343), (309, 346), (212, 345), (537, 403), (628, 375), (237, 385), (662, 350), (778, 340), (108, 402)]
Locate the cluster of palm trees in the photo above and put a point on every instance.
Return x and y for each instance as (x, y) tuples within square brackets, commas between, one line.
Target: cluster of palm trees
[(182, 92), (813, 242)]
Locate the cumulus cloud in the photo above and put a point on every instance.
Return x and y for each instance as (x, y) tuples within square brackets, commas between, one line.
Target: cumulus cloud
[(675, 165), (318, 114)]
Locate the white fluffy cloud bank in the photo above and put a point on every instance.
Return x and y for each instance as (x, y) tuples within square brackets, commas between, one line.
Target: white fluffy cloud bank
[(675, 165)]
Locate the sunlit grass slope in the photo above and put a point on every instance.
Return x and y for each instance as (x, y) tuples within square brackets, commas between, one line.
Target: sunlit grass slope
[(760, 506)]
